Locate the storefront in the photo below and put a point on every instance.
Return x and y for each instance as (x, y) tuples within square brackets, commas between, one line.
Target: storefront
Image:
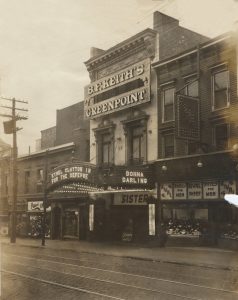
[(124, 210), (192, 205), (35, 212), (21, 220), (69, 217), (68, 199)]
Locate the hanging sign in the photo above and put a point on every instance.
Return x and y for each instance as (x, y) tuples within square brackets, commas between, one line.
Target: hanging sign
[(187, 117), (227, 187), (166, 191), (210, 190), (194, 190), (36, 206), (180, 191)]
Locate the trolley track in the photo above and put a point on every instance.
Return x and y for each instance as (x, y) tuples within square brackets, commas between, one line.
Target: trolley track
[(149, 287), (155, 270)]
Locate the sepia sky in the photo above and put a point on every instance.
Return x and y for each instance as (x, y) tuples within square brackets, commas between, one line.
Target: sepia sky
[(43, 45)]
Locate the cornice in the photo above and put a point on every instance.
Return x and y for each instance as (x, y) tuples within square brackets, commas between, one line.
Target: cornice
[(142, 39)]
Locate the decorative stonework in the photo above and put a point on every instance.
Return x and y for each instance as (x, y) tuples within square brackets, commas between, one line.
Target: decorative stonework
[(142, 43)]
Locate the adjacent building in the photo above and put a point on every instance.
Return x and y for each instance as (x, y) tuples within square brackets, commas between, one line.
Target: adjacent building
[(197, 138), (63, 146)]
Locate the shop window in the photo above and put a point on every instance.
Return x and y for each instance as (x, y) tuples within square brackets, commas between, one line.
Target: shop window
[(27, 181), (168, 143), (220, 89), (221, 136), (168, 104)]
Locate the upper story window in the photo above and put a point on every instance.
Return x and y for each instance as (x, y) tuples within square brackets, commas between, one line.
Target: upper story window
[(104, 137), (40, 178), (168, 145), (27, 181), (168, 104), (135, 129), (136, 145), (106, 149), (40, 175), (220, 89), (191, 88), (221, 136)]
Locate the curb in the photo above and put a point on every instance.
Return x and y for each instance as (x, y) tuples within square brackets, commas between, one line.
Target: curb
[(165, 261)]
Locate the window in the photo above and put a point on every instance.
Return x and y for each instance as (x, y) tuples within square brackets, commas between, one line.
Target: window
[(27, 181), (220, 87), (192, 147), (192, 88), (221, 137), (135, 130), (40, 178), (104, 137), (168, 104), (6, 184), (40, 175), (106, 150), (136, 145), (168, 145)]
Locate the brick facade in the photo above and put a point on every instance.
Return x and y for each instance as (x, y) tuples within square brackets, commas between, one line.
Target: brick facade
[(177, 69)]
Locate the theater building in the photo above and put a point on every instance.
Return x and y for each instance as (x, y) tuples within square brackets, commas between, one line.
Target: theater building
[(197, 140), (61, 166), (121, 104)]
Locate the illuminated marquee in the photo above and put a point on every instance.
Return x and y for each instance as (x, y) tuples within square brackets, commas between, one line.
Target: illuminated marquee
[(121, 99), (77, 171)]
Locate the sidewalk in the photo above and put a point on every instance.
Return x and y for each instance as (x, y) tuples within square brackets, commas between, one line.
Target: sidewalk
[(194, 256)]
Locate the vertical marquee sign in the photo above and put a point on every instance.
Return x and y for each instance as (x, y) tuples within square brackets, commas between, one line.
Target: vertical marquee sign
[(187, 118)]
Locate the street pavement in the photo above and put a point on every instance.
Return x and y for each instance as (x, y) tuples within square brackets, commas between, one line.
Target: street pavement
[(83, 270), (197, 256)]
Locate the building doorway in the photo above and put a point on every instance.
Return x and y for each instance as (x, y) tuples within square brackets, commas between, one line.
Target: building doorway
[(56, 224)]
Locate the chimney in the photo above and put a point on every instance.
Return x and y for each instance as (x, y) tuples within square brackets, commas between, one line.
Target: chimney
[(95, 52), (162, 22)]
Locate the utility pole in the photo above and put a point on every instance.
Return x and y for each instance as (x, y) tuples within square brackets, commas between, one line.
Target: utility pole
[(11, 128), (45, 197)]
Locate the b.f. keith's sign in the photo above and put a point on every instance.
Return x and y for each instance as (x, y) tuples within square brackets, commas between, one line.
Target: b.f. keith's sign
[(126, 88)]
